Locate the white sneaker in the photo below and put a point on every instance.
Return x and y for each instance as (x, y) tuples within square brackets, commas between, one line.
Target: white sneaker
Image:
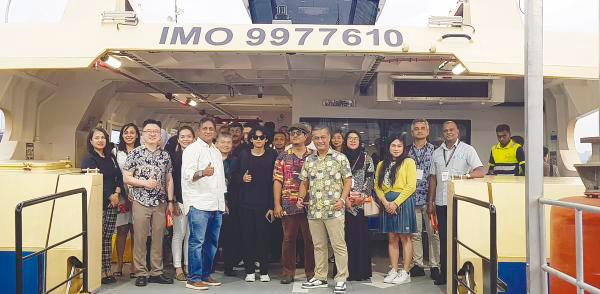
[(314, 283), (340, 287), (265, 278), (389, 278), (402, 278), (250, 277)]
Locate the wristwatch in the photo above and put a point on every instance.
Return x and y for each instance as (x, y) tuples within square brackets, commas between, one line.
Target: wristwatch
[(343, 200), (171, 201)]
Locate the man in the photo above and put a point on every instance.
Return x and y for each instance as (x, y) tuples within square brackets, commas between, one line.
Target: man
[(453, 158), (224, 129), (256, 203), (309, 142), (235, 129), (507, 158), (279, 141), (422, 151), (550, 170), (231, 220), (326, 173), (148, 171), (203, 188), (286, 186)]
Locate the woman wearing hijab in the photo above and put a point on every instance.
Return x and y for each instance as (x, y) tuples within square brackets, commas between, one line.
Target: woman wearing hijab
[(357, 225)]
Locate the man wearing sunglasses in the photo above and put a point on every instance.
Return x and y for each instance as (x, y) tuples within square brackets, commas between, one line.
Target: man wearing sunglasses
[(308, 142), (286, 187), (256, 202)]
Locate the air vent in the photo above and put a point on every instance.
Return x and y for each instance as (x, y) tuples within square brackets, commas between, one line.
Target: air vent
[(441, 88)]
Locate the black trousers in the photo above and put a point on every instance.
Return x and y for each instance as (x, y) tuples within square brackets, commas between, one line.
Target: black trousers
[(255, 239), (231, 239), (357, 240), (442, 217)]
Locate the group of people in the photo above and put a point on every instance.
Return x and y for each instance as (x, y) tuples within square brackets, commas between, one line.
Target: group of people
[(225, 188)]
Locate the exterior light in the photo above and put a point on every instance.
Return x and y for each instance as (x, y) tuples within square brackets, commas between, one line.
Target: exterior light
[(111, 61), (458, 69)]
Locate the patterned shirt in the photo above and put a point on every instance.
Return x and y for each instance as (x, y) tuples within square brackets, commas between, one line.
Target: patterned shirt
[(145, 164), (423, 158), (287, 171), (326, 179)]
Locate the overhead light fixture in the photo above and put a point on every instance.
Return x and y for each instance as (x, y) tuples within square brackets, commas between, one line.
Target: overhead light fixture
[(458, 69), (111, 61), (260, 92), (191, 102)]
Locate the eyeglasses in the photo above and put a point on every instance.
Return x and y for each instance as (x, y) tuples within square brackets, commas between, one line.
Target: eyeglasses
[(297, 133), (353, 138), (261, 137), (152, 131)]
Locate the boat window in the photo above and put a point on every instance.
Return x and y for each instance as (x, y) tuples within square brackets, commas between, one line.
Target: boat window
[(2, 125), (586, 126)]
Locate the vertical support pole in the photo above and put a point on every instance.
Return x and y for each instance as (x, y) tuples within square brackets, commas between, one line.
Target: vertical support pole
[(579, 249), (84, 238), (19, 249), (493, 251), (534, 100), (543, 248), (454, 246)]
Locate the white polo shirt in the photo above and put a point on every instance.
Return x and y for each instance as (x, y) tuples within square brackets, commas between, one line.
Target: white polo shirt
[(458, 160)]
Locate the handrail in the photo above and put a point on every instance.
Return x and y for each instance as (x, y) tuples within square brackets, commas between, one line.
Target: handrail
[(19, 241), (493, 259), (578, 280)]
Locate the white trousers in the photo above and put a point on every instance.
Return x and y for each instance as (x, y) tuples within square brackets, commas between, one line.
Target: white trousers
[(181, 235)]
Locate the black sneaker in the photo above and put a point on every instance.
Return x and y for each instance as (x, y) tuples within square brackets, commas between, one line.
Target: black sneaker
[(314, 283), (287, 280), (434, 273), (160, 279), (230, 273), (439, 282), (417, 271), (141, 281)]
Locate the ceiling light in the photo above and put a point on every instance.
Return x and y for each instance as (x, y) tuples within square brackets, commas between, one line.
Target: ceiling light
[(111, 61), (458, 69), (191, 102), (260, 92)]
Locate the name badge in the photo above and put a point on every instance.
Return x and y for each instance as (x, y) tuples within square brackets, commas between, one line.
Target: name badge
[(445, 176), (419, 174)]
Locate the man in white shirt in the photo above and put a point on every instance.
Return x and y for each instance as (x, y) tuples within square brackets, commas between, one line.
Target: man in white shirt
[(453, 158), (203, 190)]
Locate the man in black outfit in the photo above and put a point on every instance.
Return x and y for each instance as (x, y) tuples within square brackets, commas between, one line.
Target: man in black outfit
[(256, 203)]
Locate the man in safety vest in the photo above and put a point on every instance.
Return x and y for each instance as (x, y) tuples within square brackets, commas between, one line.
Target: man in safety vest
[(507, 158)]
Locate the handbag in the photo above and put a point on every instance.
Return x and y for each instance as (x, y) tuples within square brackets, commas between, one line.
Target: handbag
[(371, 207)]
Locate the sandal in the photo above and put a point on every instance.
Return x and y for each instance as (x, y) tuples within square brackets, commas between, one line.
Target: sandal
[(181, 277)]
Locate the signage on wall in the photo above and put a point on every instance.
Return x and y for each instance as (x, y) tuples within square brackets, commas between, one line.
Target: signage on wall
[(339, 102), (29, 151)]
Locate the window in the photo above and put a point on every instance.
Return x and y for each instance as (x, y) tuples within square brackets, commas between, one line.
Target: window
[(586, 126), (2, 125), (342, 12)]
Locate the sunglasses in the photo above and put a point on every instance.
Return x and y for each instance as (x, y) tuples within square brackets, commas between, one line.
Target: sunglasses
[(261, 137), (297, 133)]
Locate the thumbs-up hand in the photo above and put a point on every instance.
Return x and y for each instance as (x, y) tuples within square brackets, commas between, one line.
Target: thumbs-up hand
[(247, 178), (151, 183), (209, 170)]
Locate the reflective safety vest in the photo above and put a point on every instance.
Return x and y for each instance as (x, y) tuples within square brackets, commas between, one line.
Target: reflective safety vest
[(508, 160)]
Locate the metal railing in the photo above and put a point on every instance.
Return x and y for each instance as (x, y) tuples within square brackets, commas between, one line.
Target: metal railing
[(492, 260), (19, 242), (578, 280)]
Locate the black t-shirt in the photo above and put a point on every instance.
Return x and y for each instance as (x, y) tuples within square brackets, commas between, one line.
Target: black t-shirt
[(111, 174), (176, 174), (257, 194)]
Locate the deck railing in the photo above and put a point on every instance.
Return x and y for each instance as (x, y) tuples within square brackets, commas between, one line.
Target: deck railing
[(19, 243)]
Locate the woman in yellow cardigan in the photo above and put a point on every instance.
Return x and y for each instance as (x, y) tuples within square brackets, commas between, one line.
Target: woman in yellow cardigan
[(395, 183)]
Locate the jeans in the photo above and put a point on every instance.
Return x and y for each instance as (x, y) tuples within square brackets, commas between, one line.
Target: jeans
[(204, 229)]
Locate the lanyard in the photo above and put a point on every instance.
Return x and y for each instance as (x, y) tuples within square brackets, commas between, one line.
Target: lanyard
[(447, 161)]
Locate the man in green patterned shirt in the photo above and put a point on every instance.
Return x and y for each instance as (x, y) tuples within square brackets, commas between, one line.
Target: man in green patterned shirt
[(327, 175)]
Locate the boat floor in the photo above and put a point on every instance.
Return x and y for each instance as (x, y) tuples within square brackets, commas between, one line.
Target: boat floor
[(421, 285)]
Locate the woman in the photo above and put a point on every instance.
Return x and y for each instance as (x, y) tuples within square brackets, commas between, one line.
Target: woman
[(129, 139), (99, 157), (357, 225), (185, 137), (395, 183), (337, 140)]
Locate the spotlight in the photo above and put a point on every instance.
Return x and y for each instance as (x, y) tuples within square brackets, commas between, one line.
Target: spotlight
[(260, 92), (111, 61), (458, 69), (191, 102)]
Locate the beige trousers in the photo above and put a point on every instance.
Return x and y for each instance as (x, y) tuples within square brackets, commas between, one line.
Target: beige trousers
[(417, 242), (333, 230), (144, 220)]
